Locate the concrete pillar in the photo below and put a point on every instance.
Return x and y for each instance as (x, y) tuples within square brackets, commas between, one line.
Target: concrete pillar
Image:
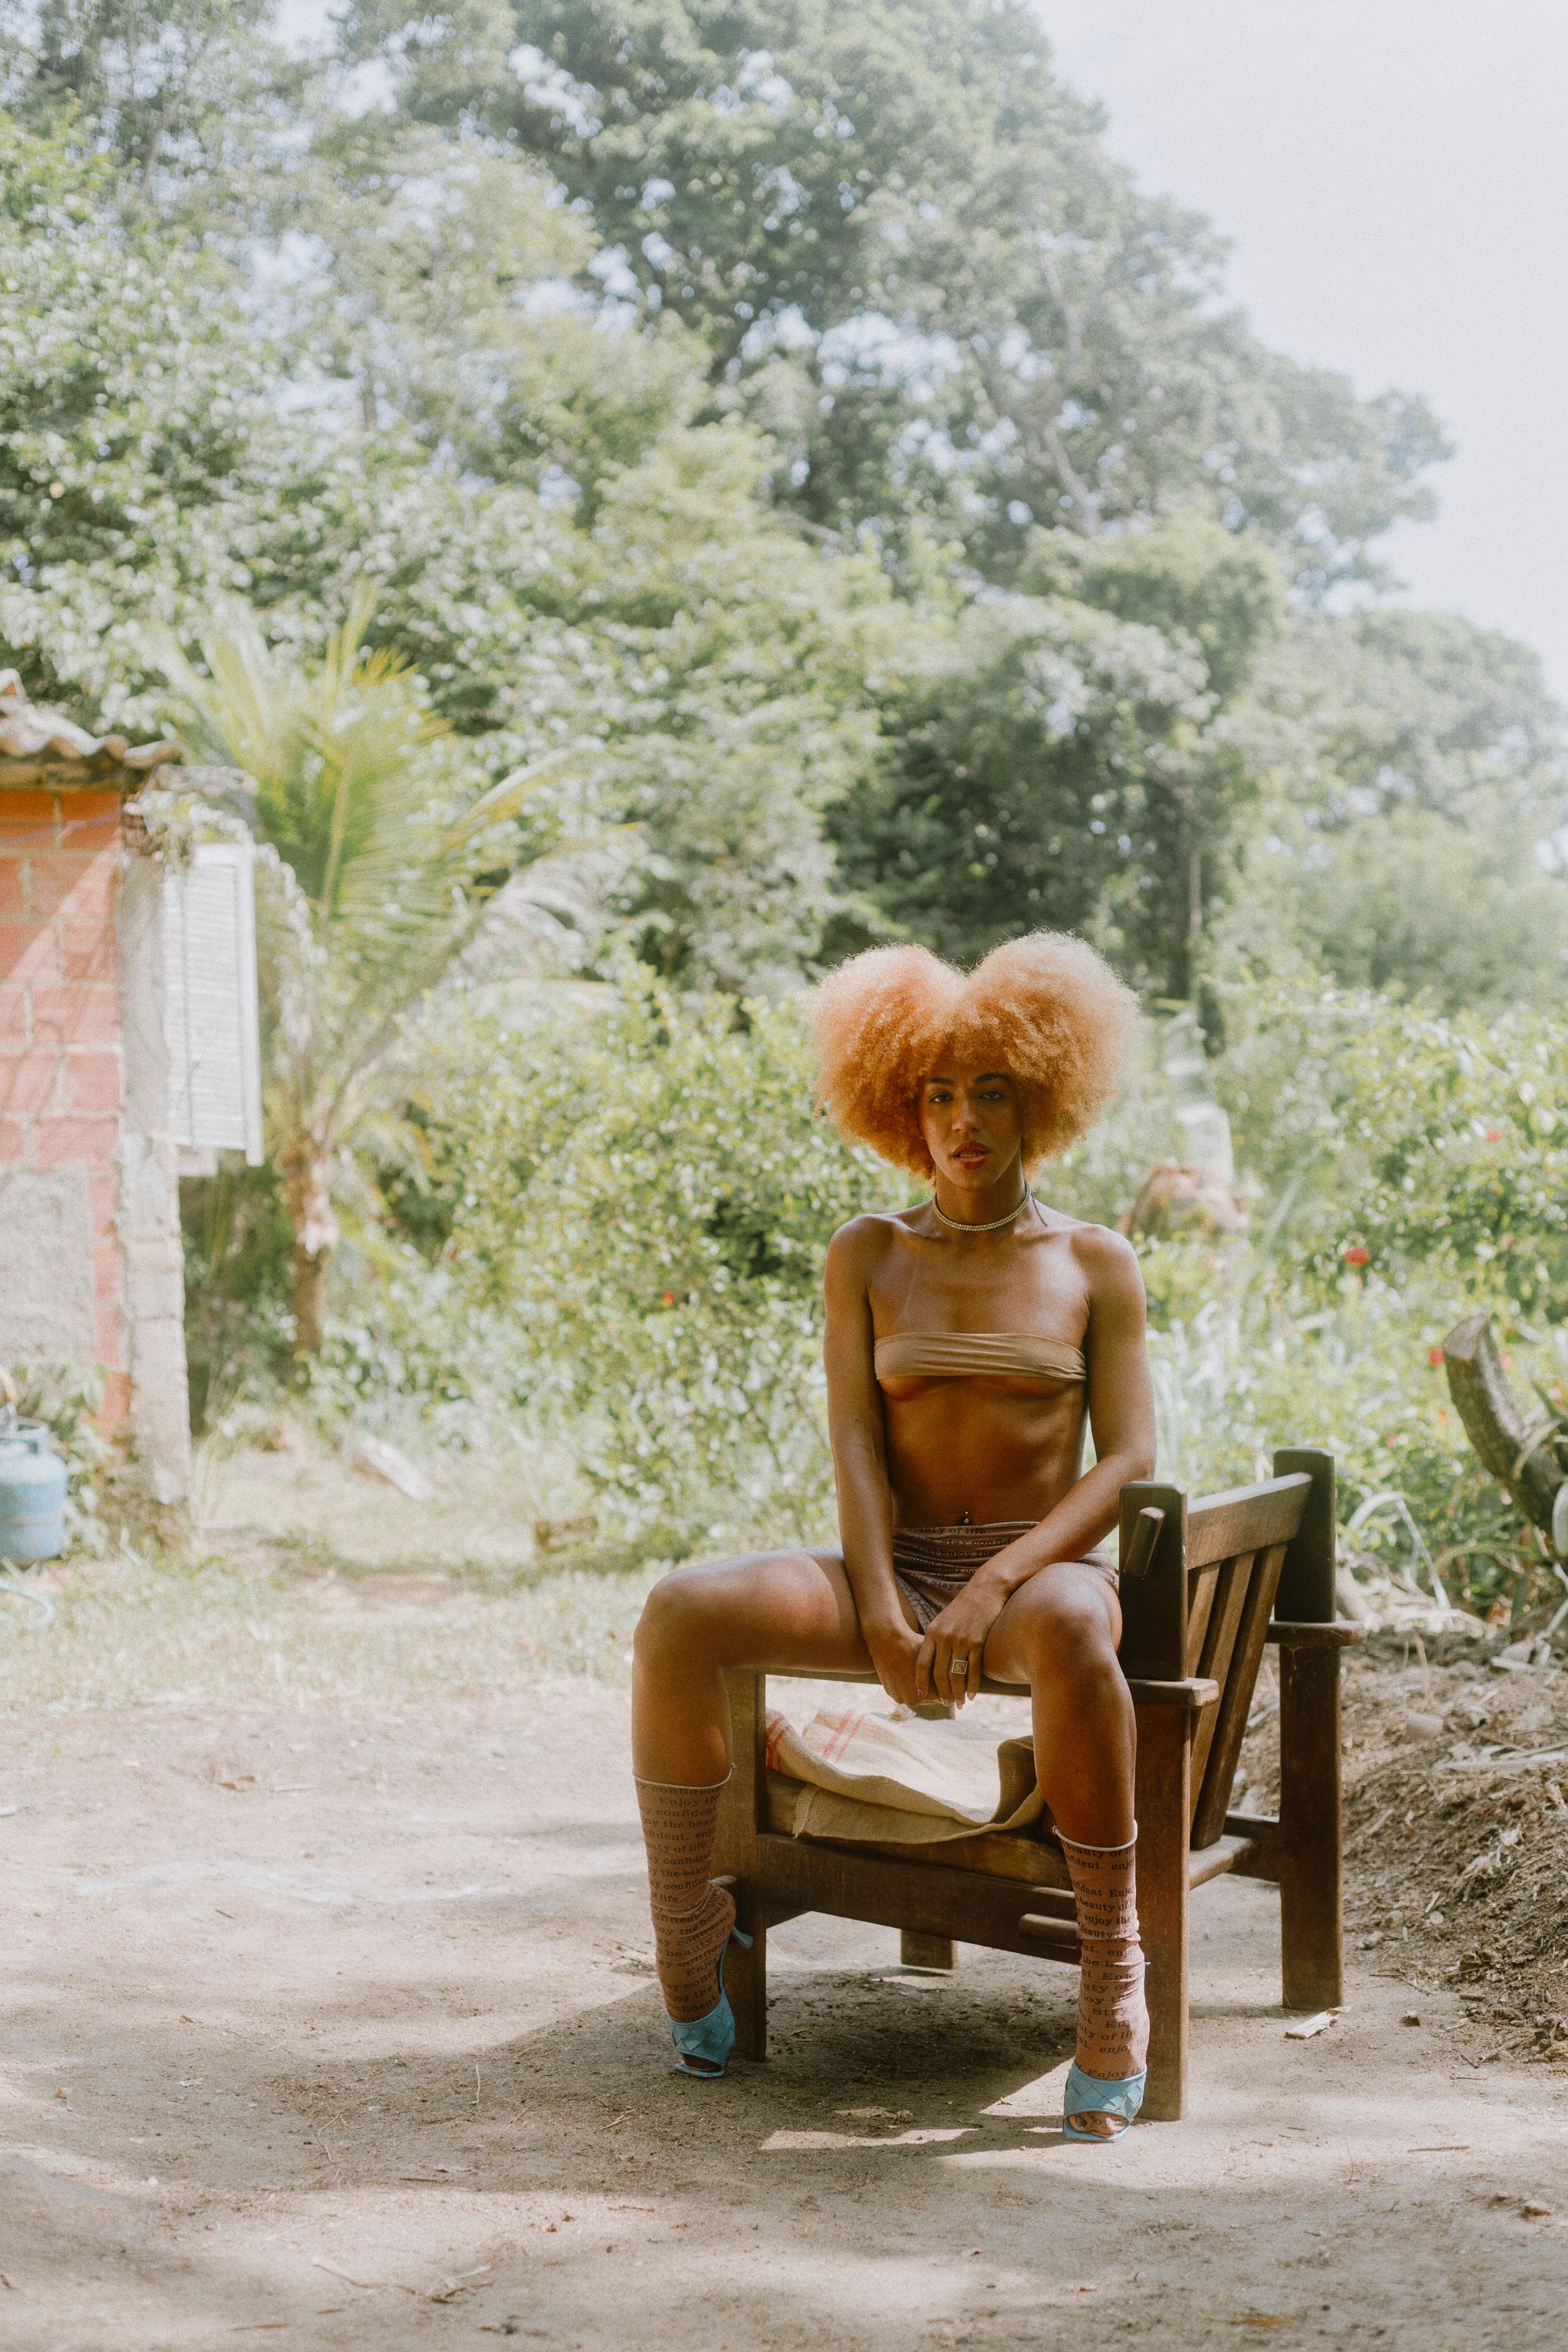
[(152, 1255)]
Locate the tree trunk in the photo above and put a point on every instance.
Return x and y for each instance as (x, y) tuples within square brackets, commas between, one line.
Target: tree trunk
[(1493, 1423), (310, 1271), (308, 1196)]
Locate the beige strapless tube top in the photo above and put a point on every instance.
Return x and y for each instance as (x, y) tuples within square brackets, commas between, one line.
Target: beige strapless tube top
[(948, 1355)]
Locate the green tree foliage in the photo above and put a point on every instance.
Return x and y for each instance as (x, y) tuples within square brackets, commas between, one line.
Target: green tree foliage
[(1411, 772), (716, 660), (440, 289), (562, 549), (720, 669), (1411, 904), (1063, 759), (900, 235), (177, 93), (1387, 708), (742, 708), (133, 406)]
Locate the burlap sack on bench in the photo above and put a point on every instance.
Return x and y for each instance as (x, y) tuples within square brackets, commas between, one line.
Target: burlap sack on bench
[(902, 1779)]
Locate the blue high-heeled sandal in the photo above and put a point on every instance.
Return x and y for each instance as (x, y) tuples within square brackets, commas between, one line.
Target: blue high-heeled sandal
[(1088, 2094), (710, 2038)]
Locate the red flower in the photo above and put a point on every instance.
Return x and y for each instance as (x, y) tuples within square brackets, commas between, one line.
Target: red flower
[(1433, 1355), (669, 1298), (1357, 1255), (1494, 1135)]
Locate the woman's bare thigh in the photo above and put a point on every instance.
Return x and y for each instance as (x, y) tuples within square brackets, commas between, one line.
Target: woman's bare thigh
[(761, 1608)]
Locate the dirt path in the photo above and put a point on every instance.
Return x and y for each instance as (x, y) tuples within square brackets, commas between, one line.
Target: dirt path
[(337, 2025)]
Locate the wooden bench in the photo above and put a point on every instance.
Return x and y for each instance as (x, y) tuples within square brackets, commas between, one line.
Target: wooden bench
[(1221, 1577)]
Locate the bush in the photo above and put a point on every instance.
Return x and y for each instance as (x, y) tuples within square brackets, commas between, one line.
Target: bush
[(646, 1190), (614, 1230), (239, 1325), (1361, 1375), (1395, 1139)]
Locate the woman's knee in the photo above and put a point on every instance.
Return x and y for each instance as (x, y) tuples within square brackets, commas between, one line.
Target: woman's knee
[(694, 1611), (744, 1609), (675, 1610), (1068, 1631)]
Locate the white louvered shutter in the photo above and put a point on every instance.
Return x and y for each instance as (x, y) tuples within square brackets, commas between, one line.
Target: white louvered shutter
[(211, 1020)]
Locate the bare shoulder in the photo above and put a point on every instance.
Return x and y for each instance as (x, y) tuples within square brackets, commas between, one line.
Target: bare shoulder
[(861, 1245), (1109, 1260)]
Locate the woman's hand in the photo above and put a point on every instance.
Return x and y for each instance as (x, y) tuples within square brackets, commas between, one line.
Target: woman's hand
[(894, 1649), (959, 1633)]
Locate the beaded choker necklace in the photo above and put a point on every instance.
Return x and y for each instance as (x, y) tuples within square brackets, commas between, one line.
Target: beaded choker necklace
[(956, 1224)]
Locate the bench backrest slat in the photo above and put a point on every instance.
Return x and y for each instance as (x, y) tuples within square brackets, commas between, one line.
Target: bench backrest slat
[(1216, 1651), (1245, 1518), (1203, 1584), (1221, 1566), (1220, 1734)]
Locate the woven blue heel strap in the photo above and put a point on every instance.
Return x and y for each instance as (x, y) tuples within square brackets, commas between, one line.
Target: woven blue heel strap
[(1089, 2094), (710, 2038)]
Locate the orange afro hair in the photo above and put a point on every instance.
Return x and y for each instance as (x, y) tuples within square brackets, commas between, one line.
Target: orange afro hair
[(1046, 1009)]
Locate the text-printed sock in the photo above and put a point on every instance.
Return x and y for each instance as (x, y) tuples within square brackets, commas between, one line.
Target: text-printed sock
[(691, 1917), (1112, 2015)]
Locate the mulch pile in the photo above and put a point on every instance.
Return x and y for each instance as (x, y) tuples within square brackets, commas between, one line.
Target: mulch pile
[(1455, 1832)]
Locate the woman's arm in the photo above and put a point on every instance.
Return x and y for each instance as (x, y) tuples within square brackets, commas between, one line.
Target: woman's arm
[(1120, 1416), (858, 1435)]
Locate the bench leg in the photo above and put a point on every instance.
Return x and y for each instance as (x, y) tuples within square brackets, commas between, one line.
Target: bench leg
[(743, 1810), (918, 1951), (1311, 1865), (1165, 1809), (746, 1981)]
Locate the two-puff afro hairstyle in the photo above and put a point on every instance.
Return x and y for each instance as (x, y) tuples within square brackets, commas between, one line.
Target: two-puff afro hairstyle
[(1045, 1009)]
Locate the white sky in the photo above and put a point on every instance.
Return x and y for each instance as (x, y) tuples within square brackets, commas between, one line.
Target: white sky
[(1394, 175)]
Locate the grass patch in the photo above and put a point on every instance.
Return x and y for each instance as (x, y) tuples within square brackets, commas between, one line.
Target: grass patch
[(308, 1582), (130, 1632)]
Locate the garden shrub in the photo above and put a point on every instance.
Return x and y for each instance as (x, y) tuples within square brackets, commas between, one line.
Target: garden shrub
[(628, 1193), (1394, 1139), (648, 1193), (1272, 1363)]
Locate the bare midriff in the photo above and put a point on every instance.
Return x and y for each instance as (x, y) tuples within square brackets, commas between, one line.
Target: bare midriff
[(991, 1445)]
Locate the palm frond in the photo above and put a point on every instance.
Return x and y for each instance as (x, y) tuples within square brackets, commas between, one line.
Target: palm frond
[(372, 910), (344, 793), (506, 799)]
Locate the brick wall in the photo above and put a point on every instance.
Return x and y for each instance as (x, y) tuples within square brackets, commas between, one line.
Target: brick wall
[(60, 1060)]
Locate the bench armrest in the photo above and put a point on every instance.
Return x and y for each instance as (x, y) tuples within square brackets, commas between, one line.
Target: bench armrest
[(1193, 1692)]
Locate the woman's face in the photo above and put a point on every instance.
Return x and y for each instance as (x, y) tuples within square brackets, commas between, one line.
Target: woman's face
[(973, 1125)]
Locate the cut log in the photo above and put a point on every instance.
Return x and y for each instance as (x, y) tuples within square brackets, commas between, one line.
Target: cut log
[(1505, 1442)]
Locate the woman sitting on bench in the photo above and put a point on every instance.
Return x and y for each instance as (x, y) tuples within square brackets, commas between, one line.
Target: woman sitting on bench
[(966, 1340)]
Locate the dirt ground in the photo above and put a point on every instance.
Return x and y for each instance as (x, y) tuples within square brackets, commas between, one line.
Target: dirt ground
[(333, 2018)]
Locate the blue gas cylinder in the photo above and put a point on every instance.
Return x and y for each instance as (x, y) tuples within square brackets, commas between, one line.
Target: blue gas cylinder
[(32, 1493)]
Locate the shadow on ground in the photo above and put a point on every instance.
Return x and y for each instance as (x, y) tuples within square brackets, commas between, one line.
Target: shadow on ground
[(339, 2025)]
